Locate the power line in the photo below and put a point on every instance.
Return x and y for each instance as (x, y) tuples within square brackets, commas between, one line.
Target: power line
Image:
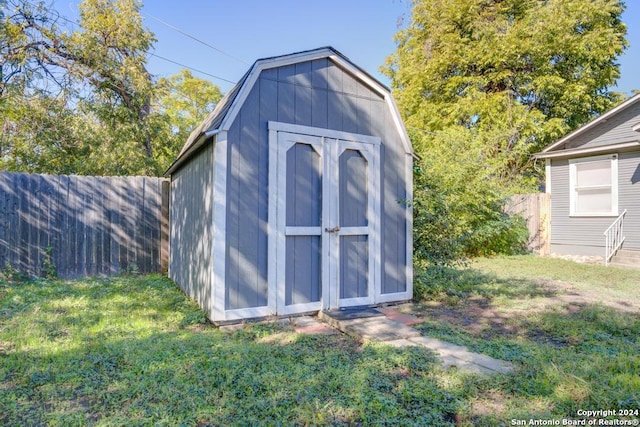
[(191, 68), (73, 22), (193, 37)]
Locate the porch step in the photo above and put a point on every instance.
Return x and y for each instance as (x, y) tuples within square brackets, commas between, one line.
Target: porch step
[(627, 253), (626, 258)]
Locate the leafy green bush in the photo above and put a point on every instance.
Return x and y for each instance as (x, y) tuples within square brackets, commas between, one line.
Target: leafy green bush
[(495, 232), (452, 222), (436, 234)]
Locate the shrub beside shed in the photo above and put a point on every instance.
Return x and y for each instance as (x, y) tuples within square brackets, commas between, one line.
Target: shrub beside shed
[(291, 196)]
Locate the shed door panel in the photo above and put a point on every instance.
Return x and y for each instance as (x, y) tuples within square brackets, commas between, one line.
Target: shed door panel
[(300, 211), (325, 206), (303, 222), (355, 202)]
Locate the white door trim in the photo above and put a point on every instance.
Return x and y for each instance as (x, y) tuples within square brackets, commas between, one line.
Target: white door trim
[(324, 133), (371, 154), (329, 144), (286, 140)]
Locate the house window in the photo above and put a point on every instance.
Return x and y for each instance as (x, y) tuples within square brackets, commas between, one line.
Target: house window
[(594, 186)]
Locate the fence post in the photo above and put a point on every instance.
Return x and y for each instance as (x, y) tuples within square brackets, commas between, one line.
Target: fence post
[(164, 227), (544, 206)]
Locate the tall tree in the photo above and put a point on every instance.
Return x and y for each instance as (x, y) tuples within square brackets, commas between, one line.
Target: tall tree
[(96, 72), (184, 100), (532, 69), (483, 84)]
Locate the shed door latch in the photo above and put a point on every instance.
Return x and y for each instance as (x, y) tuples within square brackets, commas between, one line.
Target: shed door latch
[(332, 230)]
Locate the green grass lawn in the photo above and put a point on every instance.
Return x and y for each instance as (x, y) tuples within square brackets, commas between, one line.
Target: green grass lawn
[(134, 351), (572, 329)]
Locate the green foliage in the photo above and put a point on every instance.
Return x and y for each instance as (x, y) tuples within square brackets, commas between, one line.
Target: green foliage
[(496, 232), (80, 99), (484, 85), (569, 356), (134, 351), (11, 274), (458, 206), (49, 269), (182, 101), (523, 69), (436, 238)]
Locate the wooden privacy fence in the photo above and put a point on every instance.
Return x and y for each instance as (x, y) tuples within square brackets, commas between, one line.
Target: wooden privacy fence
[(535, 209), (82, 225)]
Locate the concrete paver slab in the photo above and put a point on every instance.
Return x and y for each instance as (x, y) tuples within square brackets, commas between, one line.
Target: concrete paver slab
[(442, 347), (393, 329), (447, 350), (372, 328), (398, 316), (233, 327), (311, 326), (401, 343), (450, 362)]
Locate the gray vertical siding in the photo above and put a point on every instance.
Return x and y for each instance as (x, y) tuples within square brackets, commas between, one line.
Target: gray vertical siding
[(315, 93), (629, 197), (394, 225), (585, 234), (191, 236), (246, 243)]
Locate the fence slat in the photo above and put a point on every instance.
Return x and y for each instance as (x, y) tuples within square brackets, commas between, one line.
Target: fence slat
[(93, 225)]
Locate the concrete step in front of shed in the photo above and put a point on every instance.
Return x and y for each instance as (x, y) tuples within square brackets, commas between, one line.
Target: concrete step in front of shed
[(371, 327)]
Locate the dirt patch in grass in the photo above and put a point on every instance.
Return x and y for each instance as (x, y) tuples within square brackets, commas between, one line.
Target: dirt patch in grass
[(489, 317), (491, 403), (571, 295)]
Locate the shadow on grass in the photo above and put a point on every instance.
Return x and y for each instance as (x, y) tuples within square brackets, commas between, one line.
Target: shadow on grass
[(445, 283), (136, 352), (567, 360)]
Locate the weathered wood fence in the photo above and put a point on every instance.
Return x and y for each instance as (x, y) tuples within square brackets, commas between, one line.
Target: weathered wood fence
[(535, 209), (83, 226)]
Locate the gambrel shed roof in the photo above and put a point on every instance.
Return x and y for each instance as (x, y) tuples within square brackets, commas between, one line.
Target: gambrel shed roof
[(223, 115)]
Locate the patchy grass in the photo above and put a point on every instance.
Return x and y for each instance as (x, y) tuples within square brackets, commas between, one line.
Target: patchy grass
[(135, 351), (572, 329)]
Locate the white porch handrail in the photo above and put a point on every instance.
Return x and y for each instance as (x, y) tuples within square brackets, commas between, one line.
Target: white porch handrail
[(614, 236)]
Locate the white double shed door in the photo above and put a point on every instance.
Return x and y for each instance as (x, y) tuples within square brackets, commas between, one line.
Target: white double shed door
[(324, 245)]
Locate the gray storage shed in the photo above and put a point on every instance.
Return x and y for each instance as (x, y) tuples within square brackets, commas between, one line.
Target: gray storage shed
[(291, 196)]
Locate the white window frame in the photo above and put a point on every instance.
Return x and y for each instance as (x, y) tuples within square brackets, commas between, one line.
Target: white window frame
[(614, 185)]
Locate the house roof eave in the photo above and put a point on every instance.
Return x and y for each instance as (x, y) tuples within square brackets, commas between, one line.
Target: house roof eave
[(578, 152), (600, 119)]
